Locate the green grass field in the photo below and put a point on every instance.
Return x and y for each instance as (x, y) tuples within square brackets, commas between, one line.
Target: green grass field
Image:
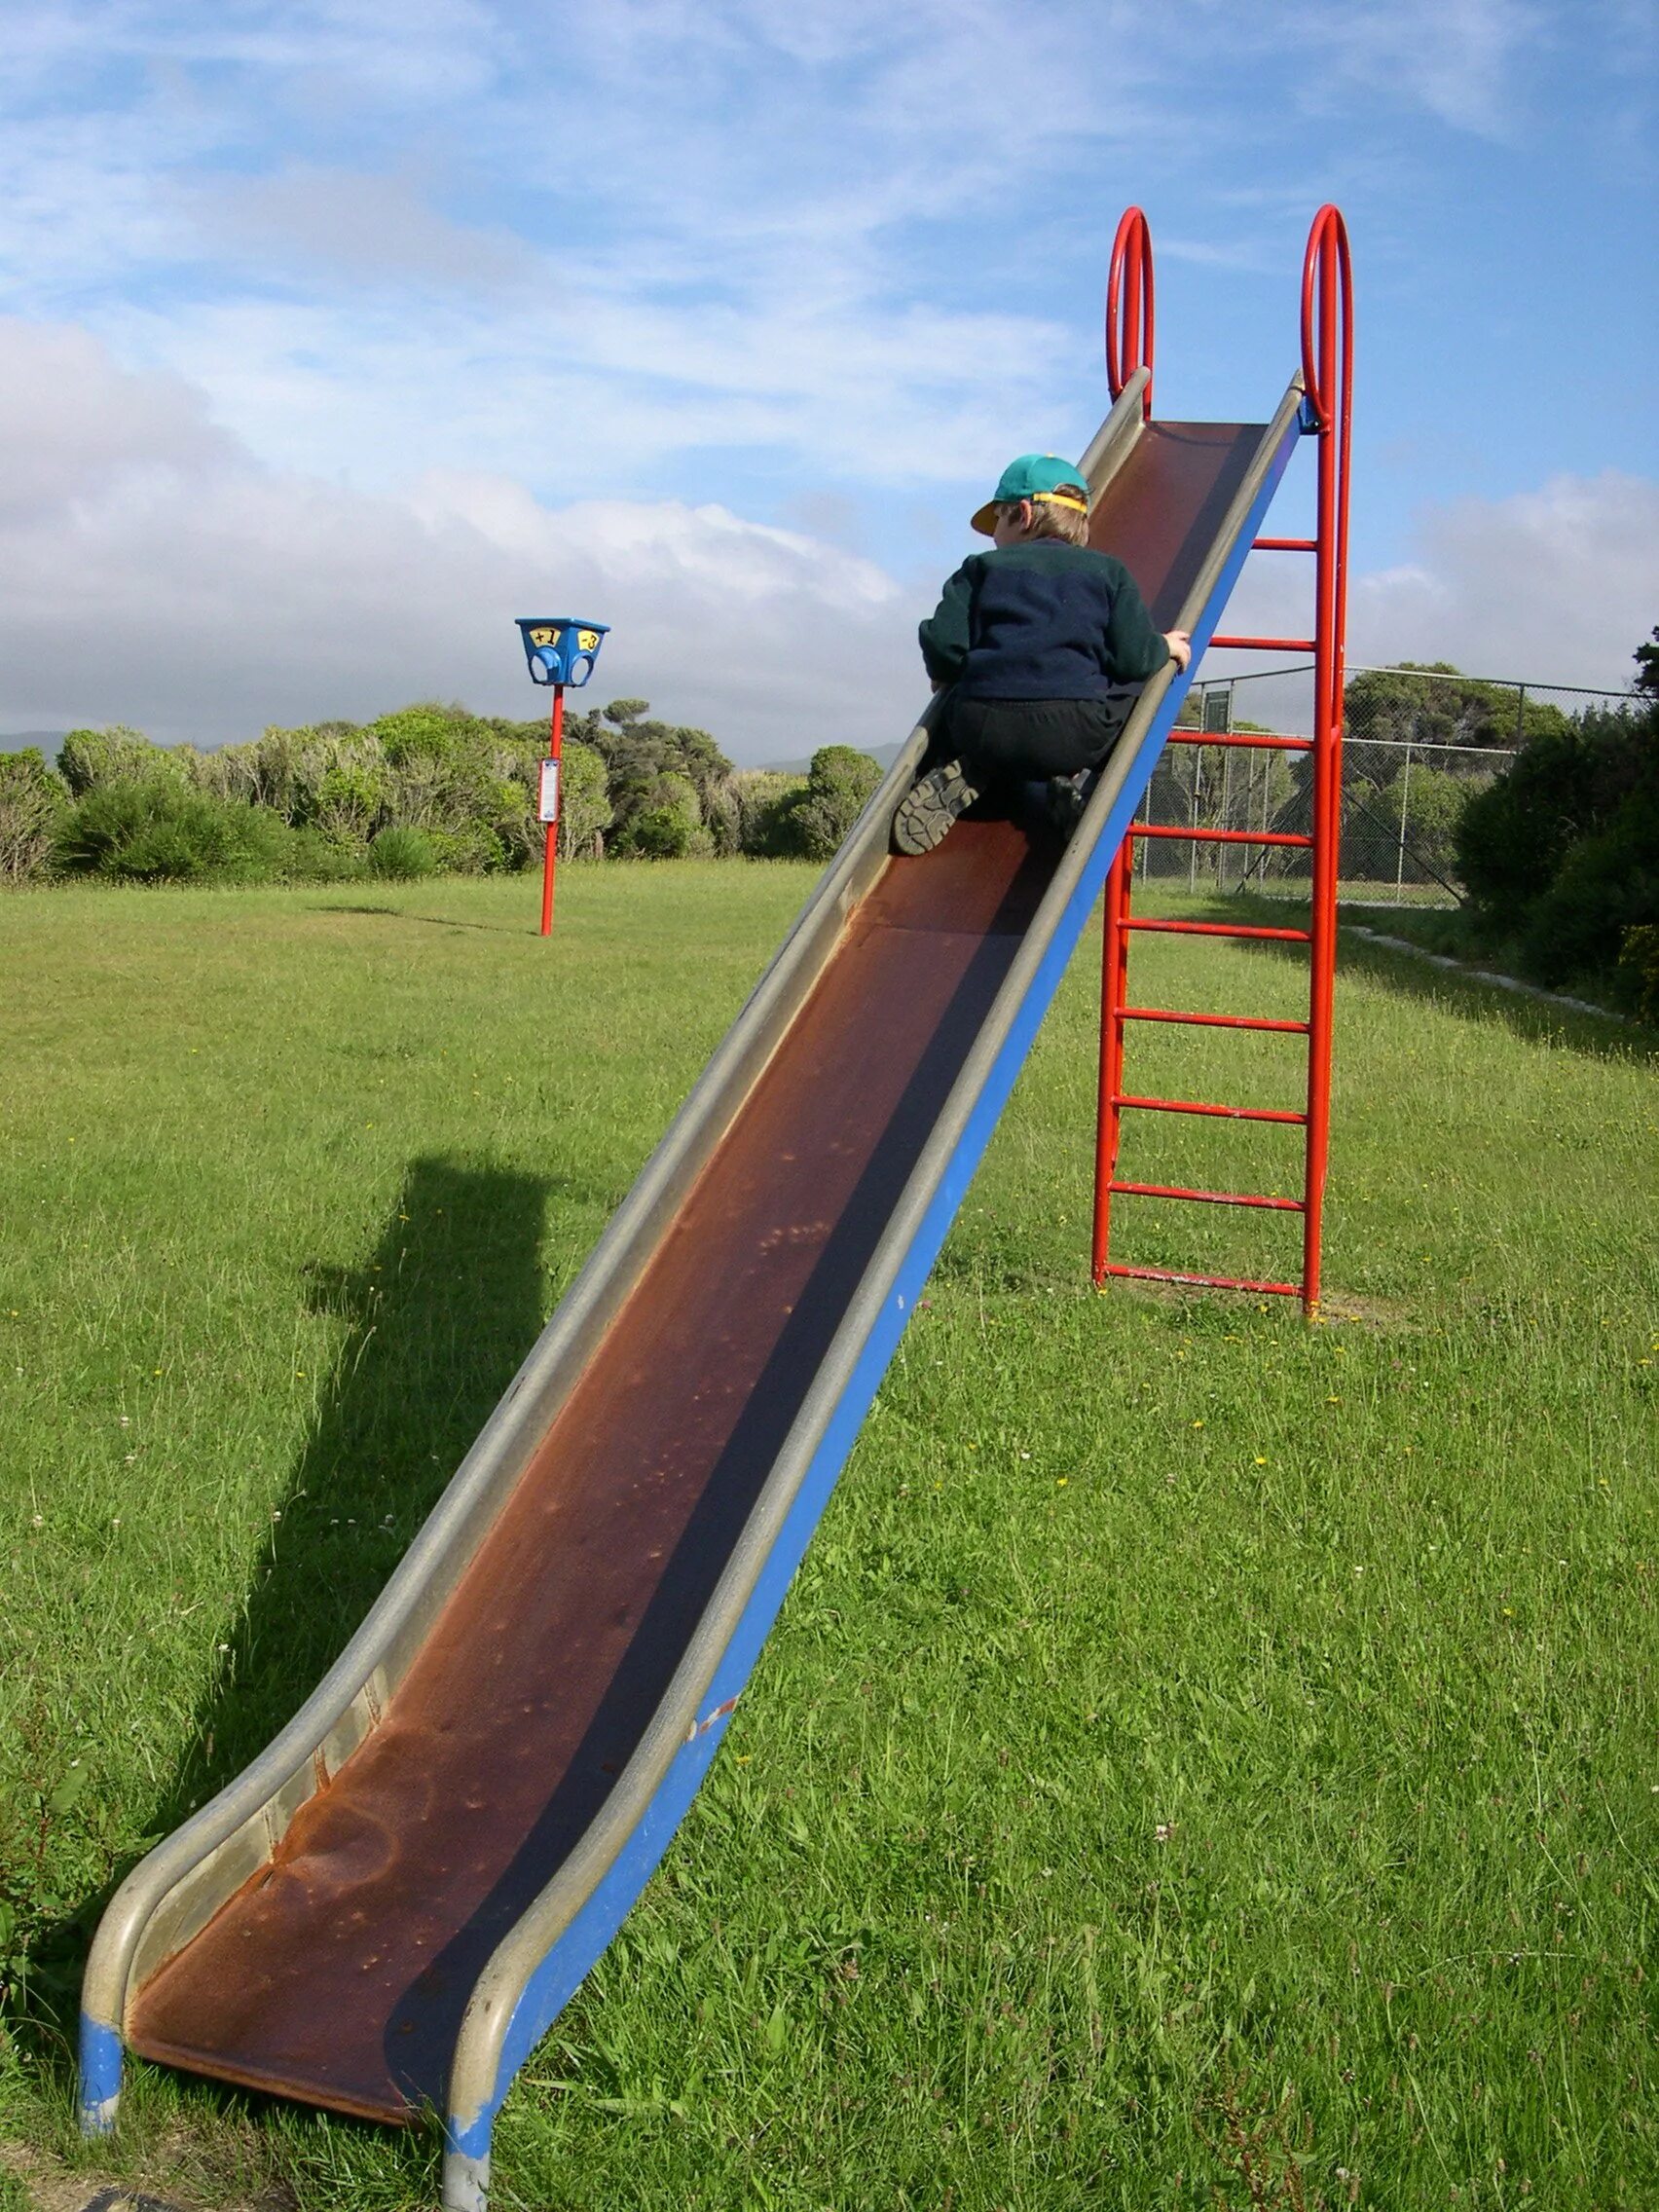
[(1206, 1761)]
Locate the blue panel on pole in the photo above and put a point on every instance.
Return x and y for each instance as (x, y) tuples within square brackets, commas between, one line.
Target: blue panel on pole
[(560, 649)]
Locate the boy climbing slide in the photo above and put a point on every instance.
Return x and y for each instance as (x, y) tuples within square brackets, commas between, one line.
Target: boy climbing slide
[(1032, 640)]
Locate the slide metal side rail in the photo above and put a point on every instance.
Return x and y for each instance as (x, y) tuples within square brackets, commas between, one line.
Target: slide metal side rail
[(1327, 356)]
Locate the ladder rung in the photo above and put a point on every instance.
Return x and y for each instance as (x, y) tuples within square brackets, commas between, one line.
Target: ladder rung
[(1209, 1282), (1267, 644), (1208, 1197), (1264, 743), (1211, 1020), (1219, 836), (1216, 929), (1195, 1106), (1285, 544)]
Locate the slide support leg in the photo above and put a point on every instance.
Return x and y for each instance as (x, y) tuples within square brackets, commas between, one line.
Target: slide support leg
[(99, 2094), (466, 2169)]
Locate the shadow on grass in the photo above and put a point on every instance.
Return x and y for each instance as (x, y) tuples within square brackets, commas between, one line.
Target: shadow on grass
[(438, 921), (437, 1321)]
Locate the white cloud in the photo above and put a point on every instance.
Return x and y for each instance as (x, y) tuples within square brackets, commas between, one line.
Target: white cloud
[(178, 585), (1554, 586), (73, 421)]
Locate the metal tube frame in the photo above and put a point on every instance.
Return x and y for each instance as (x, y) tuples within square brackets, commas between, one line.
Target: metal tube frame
[(550, 850), (1327, 376)]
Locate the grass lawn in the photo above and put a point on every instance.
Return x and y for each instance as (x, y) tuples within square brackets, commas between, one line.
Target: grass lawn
[(1204, 1761)]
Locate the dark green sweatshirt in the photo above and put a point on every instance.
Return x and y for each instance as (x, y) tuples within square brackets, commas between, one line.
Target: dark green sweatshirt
[(1040, 620)]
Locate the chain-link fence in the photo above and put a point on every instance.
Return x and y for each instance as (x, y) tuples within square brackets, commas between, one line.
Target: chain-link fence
[(1418, 745)]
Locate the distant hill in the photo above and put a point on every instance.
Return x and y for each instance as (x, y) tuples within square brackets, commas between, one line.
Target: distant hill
[(20, 740), (883, 755)]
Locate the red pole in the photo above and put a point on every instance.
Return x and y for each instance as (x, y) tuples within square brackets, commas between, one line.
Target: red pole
[(1327, 354), (550, 858), (1113, 995), (1129, 336)]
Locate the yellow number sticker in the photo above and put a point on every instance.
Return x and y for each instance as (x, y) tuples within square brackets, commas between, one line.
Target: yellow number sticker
[(587, 640), (544, 636)]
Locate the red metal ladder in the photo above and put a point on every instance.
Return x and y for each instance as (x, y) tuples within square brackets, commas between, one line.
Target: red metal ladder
[(1327, 368)]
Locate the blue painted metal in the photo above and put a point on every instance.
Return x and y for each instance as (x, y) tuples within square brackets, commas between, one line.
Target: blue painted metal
[(99, 2090), (562, 1971), (560, 649)]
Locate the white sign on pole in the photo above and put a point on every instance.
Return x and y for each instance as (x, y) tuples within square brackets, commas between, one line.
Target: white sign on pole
[(547, 804)]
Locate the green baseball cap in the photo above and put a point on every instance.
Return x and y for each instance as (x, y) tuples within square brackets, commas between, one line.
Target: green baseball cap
[(1034, 476)]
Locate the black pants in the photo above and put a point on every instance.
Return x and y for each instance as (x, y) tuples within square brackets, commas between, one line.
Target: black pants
[(1014, 741)]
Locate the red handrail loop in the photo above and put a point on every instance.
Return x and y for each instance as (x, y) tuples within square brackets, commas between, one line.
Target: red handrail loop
[(1327, 376), (1322, 308), (1129, 307)]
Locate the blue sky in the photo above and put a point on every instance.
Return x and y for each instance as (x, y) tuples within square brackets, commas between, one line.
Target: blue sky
[(335, 335)]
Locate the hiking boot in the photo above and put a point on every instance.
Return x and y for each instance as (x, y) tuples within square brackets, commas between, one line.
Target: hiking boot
[(931, 806)]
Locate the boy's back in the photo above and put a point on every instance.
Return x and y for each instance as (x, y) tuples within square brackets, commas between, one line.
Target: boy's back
[(1040, 620)]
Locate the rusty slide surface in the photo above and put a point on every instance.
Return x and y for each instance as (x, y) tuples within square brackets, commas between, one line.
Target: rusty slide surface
[(339, 1972)]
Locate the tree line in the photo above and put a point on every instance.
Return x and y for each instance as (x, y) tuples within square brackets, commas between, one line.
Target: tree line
[(1556, 855), (425, 789)]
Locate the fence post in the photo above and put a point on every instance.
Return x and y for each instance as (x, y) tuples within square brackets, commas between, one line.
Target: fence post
[(1193, 821)]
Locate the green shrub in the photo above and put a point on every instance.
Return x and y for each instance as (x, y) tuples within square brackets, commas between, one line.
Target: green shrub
[(317, 859), (1512, 838), (401, 855), (90, 759), (33, 801), (816, 820), (764, 799), (668, 826), (341, 789), (1433, 803), (1637, 974), (428, 732), (657, 833), (473, 848), (585, 803), (1561, 855), (1607, 886), (162, 832)]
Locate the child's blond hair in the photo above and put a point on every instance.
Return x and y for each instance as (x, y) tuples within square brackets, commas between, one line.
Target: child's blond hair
[(1051, 518)]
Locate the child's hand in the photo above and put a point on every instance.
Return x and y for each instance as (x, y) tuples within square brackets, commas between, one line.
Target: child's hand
[(1180, 644)]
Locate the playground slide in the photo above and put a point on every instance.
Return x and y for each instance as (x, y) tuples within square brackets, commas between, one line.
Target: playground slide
[(386, 1910)]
